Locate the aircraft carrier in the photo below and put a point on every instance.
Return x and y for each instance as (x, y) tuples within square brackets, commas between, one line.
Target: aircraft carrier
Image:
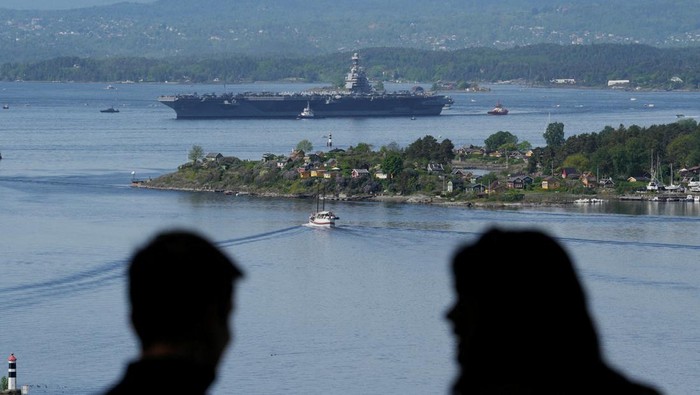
[(358, 99)]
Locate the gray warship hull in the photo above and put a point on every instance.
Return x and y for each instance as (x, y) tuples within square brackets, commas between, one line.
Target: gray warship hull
[(358, 99), (292, 105)]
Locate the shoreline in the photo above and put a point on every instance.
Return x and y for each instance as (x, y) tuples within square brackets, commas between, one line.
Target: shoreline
[(531, 201)]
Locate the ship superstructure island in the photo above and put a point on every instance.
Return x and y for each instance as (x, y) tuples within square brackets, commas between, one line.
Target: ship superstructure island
[(358, 99)]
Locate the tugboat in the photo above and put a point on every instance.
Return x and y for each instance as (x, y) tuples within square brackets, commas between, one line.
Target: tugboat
[(498, 110), (307, 112)]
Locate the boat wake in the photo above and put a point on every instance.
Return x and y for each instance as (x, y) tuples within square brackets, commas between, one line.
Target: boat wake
[(95, 277), (23, 295), (288, 232)]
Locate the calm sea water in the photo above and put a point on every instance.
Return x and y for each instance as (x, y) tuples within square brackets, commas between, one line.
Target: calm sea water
[(356, 310)]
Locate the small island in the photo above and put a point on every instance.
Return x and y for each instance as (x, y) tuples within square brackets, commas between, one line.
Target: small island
[(581, 169)]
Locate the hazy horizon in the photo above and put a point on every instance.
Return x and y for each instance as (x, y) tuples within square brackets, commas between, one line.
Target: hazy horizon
[(61, 4)]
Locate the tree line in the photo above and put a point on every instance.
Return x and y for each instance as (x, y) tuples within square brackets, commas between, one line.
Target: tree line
[(589, 65)]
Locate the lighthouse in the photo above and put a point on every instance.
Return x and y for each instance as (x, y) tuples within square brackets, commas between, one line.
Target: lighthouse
[(12, 373)]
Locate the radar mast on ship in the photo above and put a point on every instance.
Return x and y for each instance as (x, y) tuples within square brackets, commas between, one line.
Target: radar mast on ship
[(357, 81)]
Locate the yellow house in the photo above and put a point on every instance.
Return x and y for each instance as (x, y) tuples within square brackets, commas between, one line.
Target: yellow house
[(550, 183)]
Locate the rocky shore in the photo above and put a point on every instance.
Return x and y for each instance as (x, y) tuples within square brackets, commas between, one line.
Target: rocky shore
[(529, 200)]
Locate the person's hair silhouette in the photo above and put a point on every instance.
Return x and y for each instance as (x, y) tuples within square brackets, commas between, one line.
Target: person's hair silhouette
[(522, 323), (181, 290)]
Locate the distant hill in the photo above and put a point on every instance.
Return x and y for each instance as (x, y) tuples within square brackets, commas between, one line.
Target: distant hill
[(643, 66), (211, 28)]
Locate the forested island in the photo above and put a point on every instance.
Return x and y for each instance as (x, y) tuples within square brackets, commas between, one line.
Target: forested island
[(611, 164)]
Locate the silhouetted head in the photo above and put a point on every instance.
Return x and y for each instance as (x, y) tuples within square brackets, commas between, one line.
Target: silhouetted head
[(181, 289), (521, 314)]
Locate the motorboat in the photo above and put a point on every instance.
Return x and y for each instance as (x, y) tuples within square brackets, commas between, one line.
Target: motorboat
[(307, 112), (498, 110), (111, 109)]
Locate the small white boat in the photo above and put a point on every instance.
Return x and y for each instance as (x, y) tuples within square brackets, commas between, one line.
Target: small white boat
[(321, 217), (307, 112), (655, 185), (694, 185), (325, 219)]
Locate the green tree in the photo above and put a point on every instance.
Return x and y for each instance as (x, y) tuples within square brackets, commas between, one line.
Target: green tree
[(524, 145), (392, 164), (681, 149), (305, 145), (577, 161), (362, 148), (499, 140), (446, 152), (196, 153), (420, 150), (427, 149), (554, 135), (393, 146)]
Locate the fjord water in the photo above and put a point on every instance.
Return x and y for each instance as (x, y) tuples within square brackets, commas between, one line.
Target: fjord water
[(354, 310)]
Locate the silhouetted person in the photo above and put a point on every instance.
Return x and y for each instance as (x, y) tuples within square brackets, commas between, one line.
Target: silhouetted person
[(181, 290), (522, 324)]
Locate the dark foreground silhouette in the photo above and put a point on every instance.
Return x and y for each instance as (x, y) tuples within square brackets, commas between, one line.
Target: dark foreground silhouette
[(522, 323), (181, 290)]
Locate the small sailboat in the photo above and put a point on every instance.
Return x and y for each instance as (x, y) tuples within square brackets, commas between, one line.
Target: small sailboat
[(321, 217), (671, 186), (655, 184)]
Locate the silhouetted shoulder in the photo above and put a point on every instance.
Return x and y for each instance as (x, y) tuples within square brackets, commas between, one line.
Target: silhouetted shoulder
[(522, 323)]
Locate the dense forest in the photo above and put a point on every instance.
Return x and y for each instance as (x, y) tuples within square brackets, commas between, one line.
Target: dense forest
[(644, 66)]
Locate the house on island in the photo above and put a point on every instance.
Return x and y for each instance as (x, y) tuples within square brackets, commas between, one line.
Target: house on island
[(357, 173), (570, 173), (588, 180), (213, 157), (550, 183), (519, 182)]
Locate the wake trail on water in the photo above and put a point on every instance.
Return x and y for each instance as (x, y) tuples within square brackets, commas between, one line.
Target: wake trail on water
[(94, 277), (284, 232), (82, 182), (35, 293), (630, 243)]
